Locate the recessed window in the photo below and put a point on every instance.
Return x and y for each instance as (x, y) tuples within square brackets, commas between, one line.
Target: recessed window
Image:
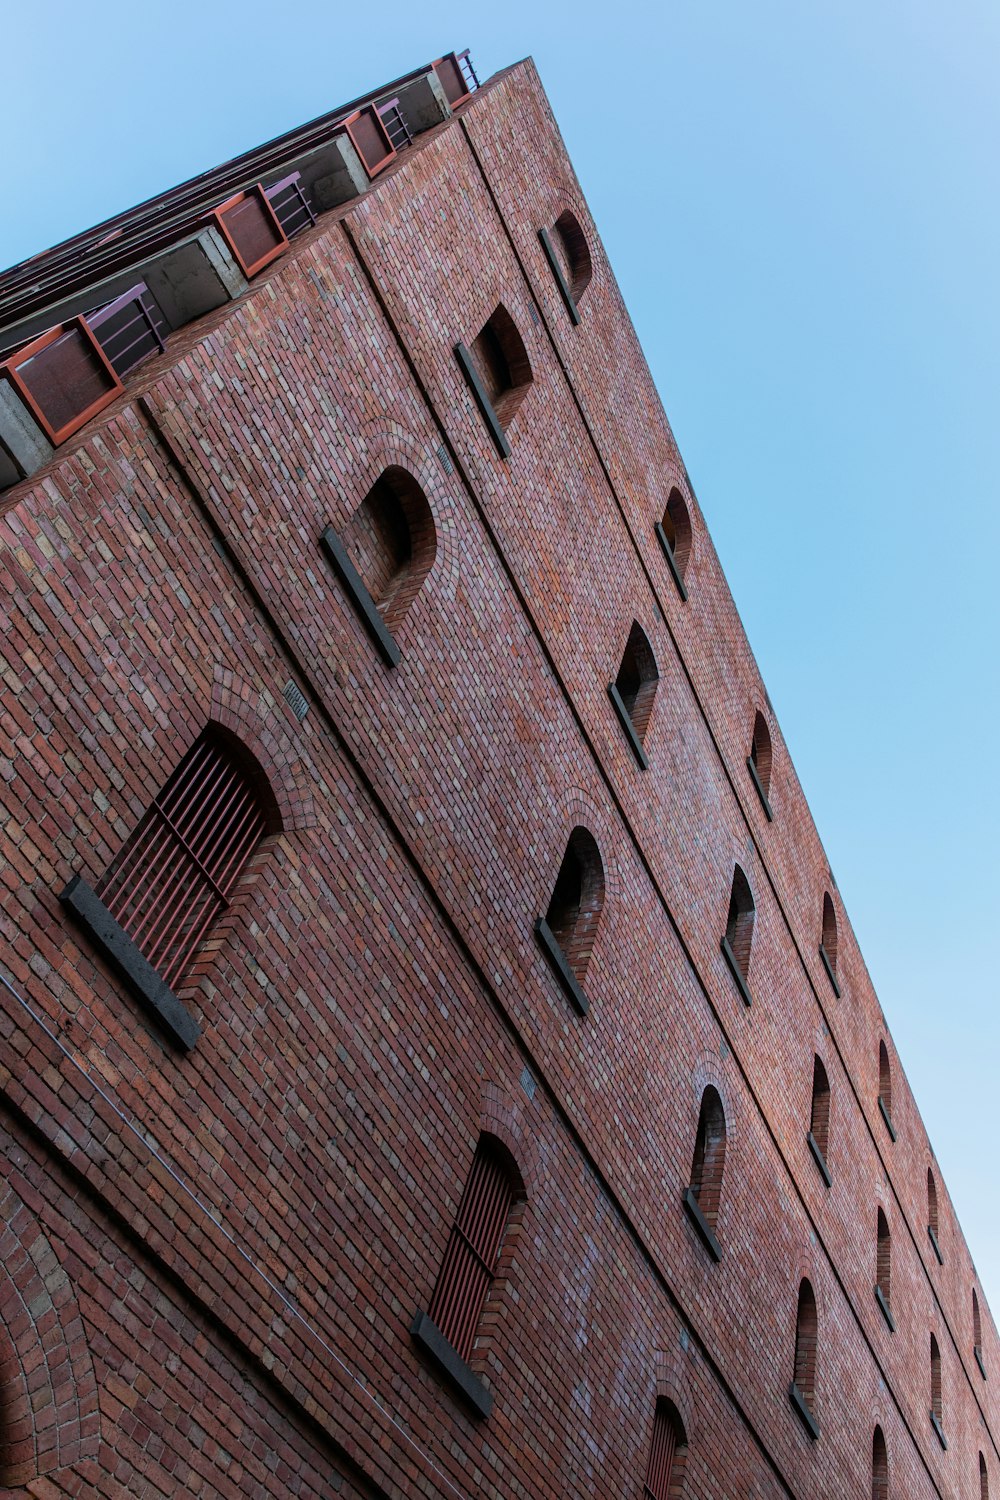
[(447, 1331), (674, 533), (759, 763), (828, 942), (819, 1119), (885, 1088), (177, 872), (977, 1335), (568, 929), (937, 1404), (634, 689), (667, 1454), (568, 255), (880, 1466), (739, 933), (384, 554), (498, 372), (984, 1479), (702, 1198), (933, 1231), (803, 1387), (883, 1269)]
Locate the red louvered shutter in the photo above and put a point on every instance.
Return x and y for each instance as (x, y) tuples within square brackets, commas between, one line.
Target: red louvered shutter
[(470, 1260)]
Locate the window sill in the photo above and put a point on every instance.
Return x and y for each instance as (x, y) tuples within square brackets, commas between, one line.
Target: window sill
[(561, 282), (468, 368), (819, 1158), (702, 1225), (828, 966), (668, 552), (805, 1416), (364, 604), (883, 1304), (940, 1431), (427, 1337), (937, 1248), (734, 969), (979, 1360), (626, 723), (755, 778), (887, 1118), (115, 945), (557, 958)]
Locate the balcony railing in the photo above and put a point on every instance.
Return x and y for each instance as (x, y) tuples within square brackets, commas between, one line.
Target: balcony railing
[(396, 127), (291, 204), (130, 329), (370, 139), (457, 76)]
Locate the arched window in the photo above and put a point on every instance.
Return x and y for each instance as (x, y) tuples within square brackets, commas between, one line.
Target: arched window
[(933, 1231), (569, 926), (883, 1270), (177, 872), (828, 942), (674, 533), (759, 763), (803, 1387), (568, 254), (469, 1268), (937, 1404), (819, 1119), (880, 1466), (667, 1454), (498, 372), (977, 1335), (984, 1480), (634, 689), (702, 1198), (885, 1088), (383, 556), (739, 933)]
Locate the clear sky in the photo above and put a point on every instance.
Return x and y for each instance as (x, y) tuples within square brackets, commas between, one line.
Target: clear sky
[(801, 205)]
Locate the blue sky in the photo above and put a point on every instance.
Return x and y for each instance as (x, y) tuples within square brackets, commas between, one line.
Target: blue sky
[(801, 206)]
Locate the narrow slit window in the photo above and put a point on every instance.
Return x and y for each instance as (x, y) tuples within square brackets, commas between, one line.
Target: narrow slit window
[(880, 1466), (819, 1117), (828, 941), (933, 1230), (738, 937), (498, 372), (937, 1403), (707, 1167), (568, 929), (574, 253), (883, 1267), (759, 762), (634, 689), (885, 1087), (667, 1454), (803, 1388), (984, 1479), (447, 1331), (977, 1334), (177, 872), (674, 532)]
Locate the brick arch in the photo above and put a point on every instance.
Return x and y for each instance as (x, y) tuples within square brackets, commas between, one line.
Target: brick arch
[(567, 200), (510, 1119), (50, 1416), (710, 1068), (671, 1384), (575, 808), (385, 445), (258, 719)]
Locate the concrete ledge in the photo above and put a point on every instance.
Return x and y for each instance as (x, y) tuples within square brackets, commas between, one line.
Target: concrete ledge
[(557, 958), (884, 1307), (561, 282), (668, 553), (21, 437), (701, 1224), (805, 1416), (467, 366), (364, 604), (819, 1158), (625, 719), (115, 945), (755, 778), (828, 966), (734, 969), (427, 1336)]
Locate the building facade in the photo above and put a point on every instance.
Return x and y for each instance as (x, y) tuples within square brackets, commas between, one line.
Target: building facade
[(435, 1059)]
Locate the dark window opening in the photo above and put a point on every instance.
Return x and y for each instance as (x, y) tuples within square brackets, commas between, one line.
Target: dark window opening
[(933, 1232), (391, 541), (883, 1268), (667, 1454), (577, 900), (739, 931), (828, 941), (977, 1335), (571, 247), (819, 1117), (501, 362), (880, 1466), (676, 525), (634, 689), (803, 1387), (759, 762), (937, 1403), (709, 1156), (984, 1480), (885, 1088)]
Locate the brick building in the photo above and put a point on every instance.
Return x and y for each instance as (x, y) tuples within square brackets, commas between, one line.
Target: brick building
[(435, 1059)]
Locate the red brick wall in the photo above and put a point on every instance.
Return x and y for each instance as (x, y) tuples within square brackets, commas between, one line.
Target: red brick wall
[(238, 1238)]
